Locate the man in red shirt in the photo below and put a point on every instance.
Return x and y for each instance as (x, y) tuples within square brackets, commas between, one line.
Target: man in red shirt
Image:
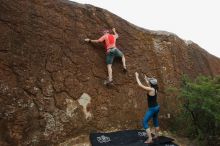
[(111, 51)]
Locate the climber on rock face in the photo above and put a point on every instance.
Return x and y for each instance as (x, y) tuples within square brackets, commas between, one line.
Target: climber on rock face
[(153, 106), (111, 51)]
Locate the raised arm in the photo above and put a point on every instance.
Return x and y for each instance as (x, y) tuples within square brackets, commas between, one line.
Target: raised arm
[(146, 79), (140, 84), (115, 33)]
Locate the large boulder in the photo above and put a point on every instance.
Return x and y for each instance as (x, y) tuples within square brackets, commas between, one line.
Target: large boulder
[(51, 81)]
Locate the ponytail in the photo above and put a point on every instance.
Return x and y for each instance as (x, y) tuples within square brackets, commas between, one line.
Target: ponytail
[(155, 87)]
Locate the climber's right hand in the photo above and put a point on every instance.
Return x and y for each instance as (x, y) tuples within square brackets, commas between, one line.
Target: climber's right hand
[(87, 40)]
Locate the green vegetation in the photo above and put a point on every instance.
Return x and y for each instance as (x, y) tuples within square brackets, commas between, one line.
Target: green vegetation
[(199, 114)]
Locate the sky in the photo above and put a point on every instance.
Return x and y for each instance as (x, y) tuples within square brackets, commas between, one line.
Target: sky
[(195, 20)]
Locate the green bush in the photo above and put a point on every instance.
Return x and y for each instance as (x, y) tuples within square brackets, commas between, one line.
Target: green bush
[(199, 116)]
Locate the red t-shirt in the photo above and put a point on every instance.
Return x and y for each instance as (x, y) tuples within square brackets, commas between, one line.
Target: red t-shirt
[(109, 41)]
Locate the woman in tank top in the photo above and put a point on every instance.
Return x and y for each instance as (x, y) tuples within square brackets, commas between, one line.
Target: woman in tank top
[(153, 106)]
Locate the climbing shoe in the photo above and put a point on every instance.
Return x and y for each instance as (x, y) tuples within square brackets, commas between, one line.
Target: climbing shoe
[(125, 70), (107, 82)]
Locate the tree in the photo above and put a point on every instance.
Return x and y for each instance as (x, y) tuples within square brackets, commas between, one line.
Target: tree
[(200, 107)]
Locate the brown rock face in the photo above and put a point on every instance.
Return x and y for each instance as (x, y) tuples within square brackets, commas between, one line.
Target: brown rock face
[(51, 85)]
